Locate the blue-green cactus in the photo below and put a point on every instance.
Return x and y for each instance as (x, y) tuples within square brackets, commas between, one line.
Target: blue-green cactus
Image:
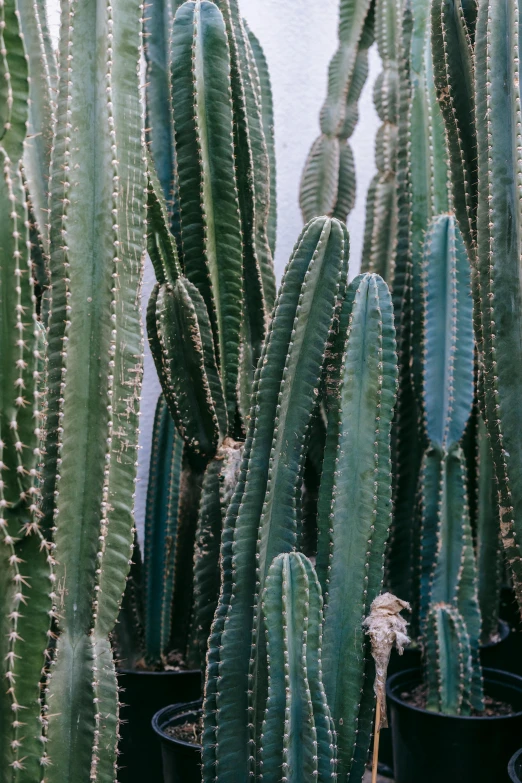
[(448, 568), (355, 509), (94, 370), (447, 662), (298, 738), (262, 517)]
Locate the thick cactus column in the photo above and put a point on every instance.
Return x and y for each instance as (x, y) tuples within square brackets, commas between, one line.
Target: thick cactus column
[(448, 569), (262, 517), (355, 511), (298, 739), (94, 370), (26, 588)]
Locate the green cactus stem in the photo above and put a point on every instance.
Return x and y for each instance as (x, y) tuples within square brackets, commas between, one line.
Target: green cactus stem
[(447, 656), (298, 740), (26, 563), (357, 502), (94, 370), (219, 483), (328, 179), (497, 107), (161, 519), (382, 209), (262, 517)]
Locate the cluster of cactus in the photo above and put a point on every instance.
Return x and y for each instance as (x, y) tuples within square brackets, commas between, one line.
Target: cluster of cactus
[(476, 48), (211, 232), (444, 483), (332, 345), (328, 180)]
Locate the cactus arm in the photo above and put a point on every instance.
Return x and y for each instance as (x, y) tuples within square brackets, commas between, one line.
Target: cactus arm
[(447, 651), (363, 493), (499, 241), (320, 257), (210, 220), (38, 144), (454, 76), (188, 366), (296, 731), (448, 312), (267, 119), (489, 555), (427, 163), (157, 27), (160, 243), (383, 217), (328, 179), (320, 180), (161, 517), (94, 364), (352, 17)]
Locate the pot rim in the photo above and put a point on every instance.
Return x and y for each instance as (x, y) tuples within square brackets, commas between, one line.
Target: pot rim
[(513, 774), (184, 708), (418, 671), (163, 672)]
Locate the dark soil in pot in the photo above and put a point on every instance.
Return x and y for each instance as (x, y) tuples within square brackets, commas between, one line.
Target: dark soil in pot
[(435, 748), (179, 728), (143, 694), (515, 767)]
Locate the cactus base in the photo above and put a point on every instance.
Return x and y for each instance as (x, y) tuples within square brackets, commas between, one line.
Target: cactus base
[(476, 749)]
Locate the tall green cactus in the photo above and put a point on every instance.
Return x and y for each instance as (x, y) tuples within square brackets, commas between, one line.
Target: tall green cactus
[(328, 179), (262, 517), (448, 568), (25, 557), (94, 370), (355, 509), (298, 739), (382, 216), (475, 49)]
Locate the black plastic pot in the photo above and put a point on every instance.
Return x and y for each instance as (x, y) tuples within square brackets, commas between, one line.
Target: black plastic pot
[(181, 760), (143, 694), (515, 767), (435, 748)]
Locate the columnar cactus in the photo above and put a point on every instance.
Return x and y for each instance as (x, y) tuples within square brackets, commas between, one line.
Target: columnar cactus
[(262, 517), (448, 568), (97, 201), (473, 52), (382, 216), (355, 508), (298, 738), (328, 180), (26, 589), (448, 662)]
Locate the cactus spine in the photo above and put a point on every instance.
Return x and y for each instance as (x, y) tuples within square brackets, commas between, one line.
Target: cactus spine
[(94, 370), (25, 555), (297, 734), (328, 179)]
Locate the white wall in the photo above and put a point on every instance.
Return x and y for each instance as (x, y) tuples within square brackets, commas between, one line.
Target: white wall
[(299, 38)]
